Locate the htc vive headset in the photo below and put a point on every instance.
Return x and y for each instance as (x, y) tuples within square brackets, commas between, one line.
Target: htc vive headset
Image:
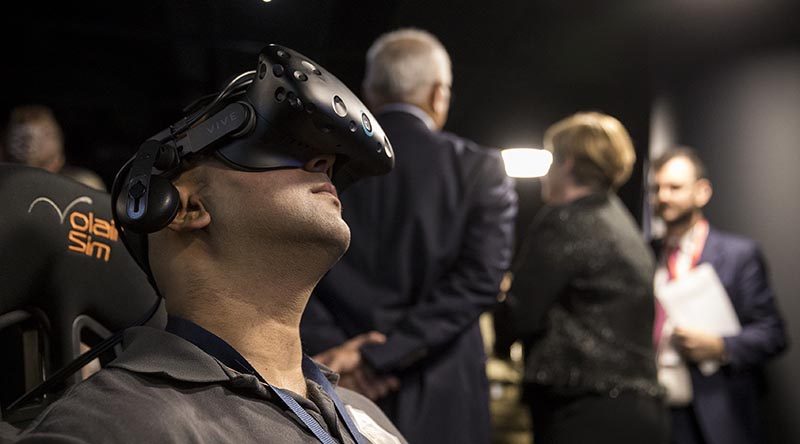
[(279, 116)]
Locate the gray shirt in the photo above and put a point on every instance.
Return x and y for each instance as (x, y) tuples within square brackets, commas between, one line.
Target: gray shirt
[(163, 388)]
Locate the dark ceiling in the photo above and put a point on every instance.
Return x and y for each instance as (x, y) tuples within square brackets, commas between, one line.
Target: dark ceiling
[(115, 73)]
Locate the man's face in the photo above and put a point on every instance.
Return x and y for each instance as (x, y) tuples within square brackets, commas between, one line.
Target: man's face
[(290, 208), (677, 192), (45, 147)]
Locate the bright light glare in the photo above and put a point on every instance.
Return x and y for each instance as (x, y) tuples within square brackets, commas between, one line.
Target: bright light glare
[(526, 162)]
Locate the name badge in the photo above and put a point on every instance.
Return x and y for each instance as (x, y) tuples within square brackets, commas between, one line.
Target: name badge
[(370, 429)]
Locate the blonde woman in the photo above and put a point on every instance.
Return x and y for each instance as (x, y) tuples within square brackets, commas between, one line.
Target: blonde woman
[(582, 296)]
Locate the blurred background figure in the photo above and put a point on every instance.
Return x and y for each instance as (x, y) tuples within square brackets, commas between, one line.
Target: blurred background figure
[(582, 296), (430, 243), (719, 406), (33, 137), (84, 176)]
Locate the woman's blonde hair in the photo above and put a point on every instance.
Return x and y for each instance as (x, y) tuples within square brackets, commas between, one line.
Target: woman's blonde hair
[(599, 145)]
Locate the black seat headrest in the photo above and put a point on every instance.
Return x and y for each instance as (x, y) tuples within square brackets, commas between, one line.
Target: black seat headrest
[(61, 256)]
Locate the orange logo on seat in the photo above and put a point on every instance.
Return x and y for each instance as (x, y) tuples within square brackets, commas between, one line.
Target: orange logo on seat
[(87, 231)]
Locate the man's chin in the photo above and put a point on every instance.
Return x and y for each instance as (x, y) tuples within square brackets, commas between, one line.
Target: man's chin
[(675, 218), (666, 217), (337, 242)]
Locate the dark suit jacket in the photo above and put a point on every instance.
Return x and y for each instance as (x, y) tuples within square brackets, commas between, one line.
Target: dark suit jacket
[(582, 300), (430, 242), (726, 403)]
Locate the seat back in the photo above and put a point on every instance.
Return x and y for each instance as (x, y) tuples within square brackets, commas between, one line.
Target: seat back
[(65, 276)]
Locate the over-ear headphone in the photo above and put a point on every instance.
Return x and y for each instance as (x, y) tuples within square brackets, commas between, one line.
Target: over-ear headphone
[(148, 202)]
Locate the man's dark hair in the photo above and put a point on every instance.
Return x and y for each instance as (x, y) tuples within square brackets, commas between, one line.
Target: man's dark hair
[(685, 152)]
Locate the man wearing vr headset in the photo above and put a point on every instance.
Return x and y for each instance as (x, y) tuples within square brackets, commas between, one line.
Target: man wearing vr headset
[(233, 212)]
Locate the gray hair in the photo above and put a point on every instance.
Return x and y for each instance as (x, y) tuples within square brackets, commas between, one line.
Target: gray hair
[(403, 64)]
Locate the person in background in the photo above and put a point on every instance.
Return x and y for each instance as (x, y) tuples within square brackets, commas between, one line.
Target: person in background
[(721, 407), (398, 316), (582, 296), (33, 137)]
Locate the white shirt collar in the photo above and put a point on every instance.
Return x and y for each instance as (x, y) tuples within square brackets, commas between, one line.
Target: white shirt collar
[(409, 109), (688, 240)]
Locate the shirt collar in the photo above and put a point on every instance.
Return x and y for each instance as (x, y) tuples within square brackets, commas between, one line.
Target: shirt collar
[(211, 344), (199, 356), (409, 109), (687, 242), (154, 351)]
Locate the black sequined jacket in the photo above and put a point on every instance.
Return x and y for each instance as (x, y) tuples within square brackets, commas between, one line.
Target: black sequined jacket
[(582, 300)]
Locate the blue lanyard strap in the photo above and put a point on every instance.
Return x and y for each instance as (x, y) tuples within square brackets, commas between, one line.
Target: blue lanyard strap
[(310, 370), (316, 428), (218, 348)]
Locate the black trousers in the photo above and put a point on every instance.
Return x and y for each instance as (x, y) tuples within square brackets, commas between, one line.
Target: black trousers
[(596, 419), (685, 429)]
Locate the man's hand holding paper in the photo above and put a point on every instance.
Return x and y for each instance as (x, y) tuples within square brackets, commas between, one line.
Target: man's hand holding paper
[(697, 345), (699, 307)]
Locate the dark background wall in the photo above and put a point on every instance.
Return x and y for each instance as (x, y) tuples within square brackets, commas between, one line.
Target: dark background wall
[(745, 121), (732, 78), (116, 73)]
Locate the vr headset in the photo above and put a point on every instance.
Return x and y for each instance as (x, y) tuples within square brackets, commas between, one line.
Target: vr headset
[(278, 116)]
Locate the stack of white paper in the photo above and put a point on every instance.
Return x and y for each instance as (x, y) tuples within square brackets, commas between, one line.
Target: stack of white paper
[(698, 301)]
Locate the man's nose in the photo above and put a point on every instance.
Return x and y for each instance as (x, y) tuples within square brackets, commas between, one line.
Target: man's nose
[(322, 163), (663, 194)]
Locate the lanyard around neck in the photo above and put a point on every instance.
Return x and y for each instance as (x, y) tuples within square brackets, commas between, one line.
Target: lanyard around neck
[(697, 240), (311, 371), (222, 351)]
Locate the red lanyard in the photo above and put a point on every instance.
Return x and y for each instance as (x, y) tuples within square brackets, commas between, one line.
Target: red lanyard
[(699, 235)]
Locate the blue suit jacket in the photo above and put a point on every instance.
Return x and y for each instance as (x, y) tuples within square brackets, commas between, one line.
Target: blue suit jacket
[(726, 403), (430, 243)]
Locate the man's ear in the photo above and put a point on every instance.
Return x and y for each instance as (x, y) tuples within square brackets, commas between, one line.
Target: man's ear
[(438, 98), (702, 193), (192, 214)]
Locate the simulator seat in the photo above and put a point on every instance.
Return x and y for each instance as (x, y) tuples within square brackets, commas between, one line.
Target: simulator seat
[(66, 283)]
